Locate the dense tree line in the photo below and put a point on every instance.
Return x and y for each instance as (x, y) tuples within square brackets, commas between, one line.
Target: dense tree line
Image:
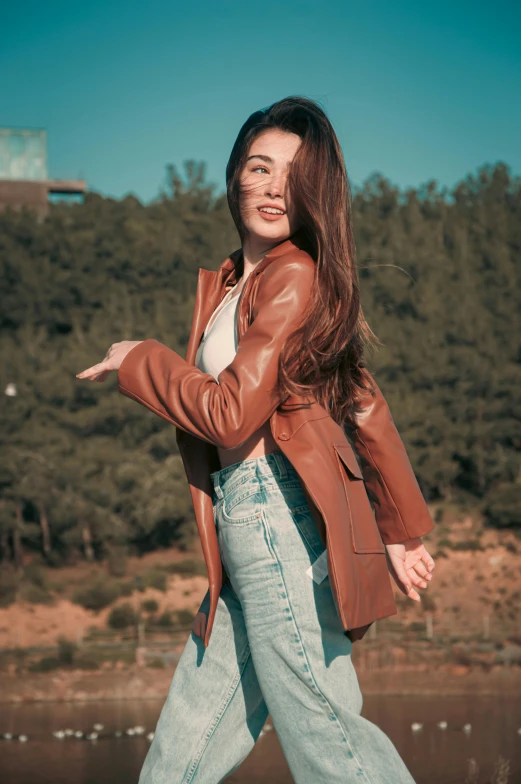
[(84, 470)]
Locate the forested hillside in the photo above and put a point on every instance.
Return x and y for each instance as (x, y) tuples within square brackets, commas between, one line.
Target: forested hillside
[(86, 471)]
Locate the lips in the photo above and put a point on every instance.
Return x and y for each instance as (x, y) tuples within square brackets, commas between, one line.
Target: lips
[(271, 216), (272, 207)]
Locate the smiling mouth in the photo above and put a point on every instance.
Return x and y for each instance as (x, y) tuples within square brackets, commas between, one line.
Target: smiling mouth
[(272, 210)]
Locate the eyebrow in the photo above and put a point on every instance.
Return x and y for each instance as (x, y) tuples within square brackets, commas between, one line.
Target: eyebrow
[(262, 157)]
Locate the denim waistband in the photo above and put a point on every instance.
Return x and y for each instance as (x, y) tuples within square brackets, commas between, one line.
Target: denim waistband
[(274, 464)]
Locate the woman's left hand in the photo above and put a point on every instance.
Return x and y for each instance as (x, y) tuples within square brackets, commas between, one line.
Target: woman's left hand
[(112, 361), (410, 564)]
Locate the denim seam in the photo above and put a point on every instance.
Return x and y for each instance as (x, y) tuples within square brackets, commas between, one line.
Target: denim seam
[(239, 521), (230, 486), (215, 723), (296, 509), (267, 536), (236, 500), (288, 484), (324, 698)]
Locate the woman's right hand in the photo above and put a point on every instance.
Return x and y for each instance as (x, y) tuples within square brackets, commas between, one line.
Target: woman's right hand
[(199, 625)]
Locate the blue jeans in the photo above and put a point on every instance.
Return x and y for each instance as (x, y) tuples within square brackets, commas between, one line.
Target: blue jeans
[(277, 646)]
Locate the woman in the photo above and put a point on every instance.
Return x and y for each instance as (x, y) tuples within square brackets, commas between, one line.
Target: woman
[(298, 559)]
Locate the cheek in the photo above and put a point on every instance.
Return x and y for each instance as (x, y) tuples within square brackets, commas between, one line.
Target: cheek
[(248, 195), (248, 206)]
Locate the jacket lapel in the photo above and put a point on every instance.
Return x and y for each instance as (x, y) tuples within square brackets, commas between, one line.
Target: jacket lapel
[(209, 292), (211, 285)]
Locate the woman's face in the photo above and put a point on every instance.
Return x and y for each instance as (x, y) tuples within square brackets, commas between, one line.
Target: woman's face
[(265, 189)]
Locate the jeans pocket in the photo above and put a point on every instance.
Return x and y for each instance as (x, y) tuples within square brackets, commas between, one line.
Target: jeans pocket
[(243, 505)]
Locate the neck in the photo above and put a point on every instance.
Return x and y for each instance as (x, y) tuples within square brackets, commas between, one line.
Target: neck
[(254, 249)]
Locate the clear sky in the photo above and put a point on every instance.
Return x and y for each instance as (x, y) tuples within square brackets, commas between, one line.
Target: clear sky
[(415, 90)]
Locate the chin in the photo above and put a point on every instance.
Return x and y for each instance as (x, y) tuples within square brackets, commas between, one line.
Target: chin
[(275, 232)]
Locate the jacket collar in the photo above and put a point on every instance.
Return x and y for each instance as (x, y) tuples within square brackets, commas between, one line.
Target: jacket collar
[(212, 283), (228, 269)]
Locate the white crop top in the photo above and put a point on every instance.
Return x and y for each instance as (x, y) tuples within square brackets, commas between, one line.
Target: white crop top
[(219, 342)]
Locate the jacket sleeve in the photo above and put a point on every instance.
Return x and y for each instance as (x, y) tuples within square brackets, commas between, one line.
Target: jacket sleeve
[(225, 412), (401, 512)]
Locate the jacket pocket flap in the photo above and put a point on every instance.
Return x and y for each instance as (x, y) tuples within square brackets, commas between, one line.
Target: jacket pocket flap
[(366, 538), (348, 457)]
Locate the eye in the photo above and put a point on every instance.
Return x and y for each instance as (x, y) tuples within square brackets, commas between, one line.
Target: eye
[(260, 167)]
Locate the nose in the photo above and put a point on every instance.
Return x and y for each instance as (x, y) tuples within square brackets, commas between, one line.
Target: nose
[(275, 186)]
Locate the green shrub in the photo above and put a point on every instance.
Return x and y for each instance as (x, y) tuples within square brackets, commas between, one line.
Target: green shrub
[(444, 542), (35, 594), (55, 560), (503, 506), (185, 617), (150, 622), (98, 594), (468, 544), (8, 586), (34, 574), (47, 664), (189, 567), (122, 616), (428, 602), (156, 664), (155, 578), (150, 606), (117, 561), (126, 589), (165, 619), (66, 650)]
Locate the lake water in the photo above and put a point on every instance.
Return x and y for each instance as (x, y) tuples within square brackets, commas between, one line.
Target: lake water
[(434, 756)]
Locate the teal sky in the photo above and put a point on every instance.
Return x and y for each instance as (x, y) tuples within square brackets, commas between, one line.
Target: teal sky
[(416, 91)]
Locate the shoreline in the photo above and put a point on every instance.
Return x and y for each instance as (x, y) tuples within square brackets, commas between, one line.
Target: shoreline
[(138, 683)]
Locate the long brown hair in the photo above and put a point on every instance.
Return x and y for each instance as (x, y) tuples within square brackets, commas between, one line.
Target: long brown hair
[(324, 356)]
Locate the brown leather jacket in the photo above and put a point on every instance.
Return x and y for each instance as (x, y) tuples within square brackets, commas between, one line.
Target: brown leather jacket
[(358, 507)]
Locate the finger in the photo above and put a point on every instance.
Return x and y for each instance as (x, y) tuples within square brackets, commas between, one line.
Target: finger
[(90, 372), (415, 578), (87, 373), (421, 570), (410, 590), (404, 582), (428, 560), (413, 594), (103, 376)]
